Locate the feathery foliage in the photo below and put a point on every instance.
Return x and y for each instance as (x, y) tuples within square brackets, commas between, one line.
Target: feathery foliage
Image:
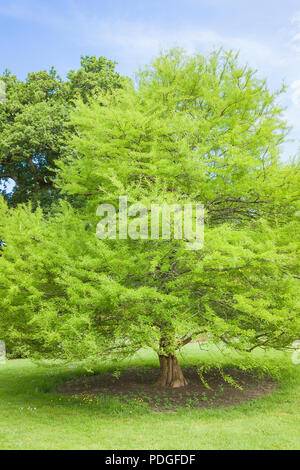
[(193, 130)]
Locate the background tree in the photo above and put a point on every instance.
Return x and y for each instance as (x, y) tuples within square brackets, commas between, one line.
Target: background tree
[(195, 130), (34, 125)]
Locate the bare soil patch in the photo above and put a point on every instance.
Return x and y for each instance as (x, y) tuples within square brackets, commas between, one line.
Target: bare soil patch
[(139, 385)]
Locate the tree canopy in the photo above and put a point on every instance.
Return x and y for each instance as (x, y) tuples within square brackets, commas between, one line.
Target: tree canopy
[(34, 125), (193, 130)]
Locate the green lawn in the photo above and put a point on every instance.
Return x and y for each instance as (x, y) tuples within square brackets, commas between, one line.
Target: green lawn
[(33, 419)]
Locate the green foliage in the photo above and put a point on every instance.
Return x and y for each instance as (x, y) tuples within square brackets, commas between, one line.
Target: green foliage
[(34, 125), (51, 273), (194, 130), (95, 74)]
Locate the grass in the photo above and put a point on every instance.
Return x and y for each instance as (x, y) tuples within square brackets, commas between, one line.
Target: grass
[(33, 419)]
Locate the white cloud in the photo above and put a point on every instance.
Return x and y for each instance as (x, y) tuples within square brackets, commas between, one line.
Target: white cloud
[(296, 18), (295, 86), (136, 39), (139, 38), (295, 21)]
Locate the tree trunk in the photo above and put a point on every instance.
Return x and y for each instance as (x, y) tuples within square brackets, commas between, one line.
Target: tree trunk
[(171, 373)]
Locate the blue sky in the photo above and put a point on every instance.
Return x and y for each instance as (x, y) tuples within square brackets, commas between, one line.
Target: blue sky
[(38, 34)]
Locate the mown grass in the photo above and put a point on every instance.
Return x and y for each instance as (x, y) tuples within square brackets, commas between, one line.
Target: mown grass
[(34, 416)]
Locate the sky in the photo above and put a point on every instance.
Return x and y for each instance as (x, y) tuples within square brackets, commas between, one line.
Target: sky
[(35, 35)]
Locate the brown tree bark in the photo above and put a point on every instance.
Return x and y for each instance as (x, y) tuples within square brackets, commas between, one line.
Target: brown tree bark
[(171, 373)]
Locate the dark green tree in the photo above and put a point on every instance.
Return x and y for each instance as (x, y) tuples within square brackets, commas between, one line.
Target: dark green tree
[(34, 125)]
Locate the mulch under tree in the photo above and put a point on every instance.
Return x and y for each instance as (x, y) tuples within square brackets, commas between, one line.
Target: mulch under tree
[(210, 391)]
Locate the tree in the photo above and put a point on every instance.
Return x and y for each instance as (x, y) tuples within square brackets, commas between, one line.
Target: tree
[(194, 130), (34, 125)]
